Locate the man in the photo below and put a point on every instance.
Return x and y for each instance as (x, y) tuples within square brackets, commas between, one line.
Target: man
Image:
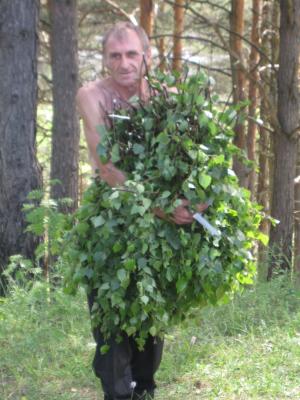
[(125, 372)]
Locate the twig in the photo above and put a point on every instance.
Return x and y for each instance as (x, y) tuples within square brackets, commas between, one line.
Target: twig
[(131, 17)]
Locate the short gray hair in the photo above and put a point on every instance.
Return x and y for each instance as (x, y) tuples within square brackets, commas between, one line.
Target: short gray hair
[(120, 27)]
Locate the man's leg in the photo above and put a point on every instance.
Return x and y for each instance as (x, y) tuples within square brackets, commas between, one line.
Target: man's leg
[(144, 364), (114, 367)]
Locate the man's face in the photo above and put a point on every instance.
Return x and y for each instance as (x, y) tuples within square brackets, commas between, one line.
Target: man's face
[(124, 58)]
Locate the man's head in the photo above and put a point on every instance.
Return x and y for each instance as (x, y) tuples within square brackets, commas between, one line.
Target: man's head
[(126, 48)]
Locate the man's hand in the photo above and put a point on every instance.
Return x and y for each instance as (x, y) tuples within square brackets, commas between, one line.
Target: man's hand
[(112, 175), (181, 214)]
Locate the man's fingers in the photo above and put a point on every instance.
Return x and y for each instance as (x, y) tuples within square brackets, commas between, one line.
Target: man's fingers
[(201, 207), (182, 216), (181, 221), (184, 202)]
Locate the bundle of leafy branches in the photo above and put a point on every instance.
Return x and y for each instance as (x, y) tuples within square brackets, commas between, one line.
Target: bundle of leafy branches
[(148, 272)]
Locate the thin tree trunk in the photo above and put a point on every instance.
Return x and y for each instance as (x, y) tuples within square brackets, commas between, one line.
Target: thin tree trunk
[(161, 43), (147, 16), (19, 172), (263, 192), (285, 143), (268, 108), (178, 31), (238, 79), (254, 76), (273, 92), (65, 135)]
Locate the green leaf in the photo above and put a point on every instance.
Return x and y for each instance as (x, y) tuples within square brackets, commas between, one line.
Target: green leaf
[(115, 153), (153, 331), (263, 238), (136, 209), (172, 237), (88, 272), (104, 286), (140, 188), (204, 180), (131, 248), (82, 227), (163, 138), (147, 203), (130, 264), (148, 124), (142, 262), (98, 221), (104, 349), (117, 247), (181, 284), (165, 194), (121, 274), (138, 148), (170, 80), (145, 299)]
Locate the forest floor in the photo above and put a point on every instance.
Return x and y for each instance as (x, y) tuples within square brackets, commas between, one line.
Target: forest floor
[(247, 349)]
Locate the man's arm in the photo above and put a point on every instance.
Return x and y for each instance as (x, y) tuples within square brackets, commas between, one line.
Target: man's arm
[(91, 113)]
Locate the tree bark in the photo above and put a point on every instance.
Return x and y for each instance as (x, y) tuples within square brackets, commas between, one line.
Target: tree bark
[(147, 16), (65, 134), (19, 172), (263, 181), (178, 31), (285, 143), (252, 95), (238, 80), (161, 42), (297, 219)]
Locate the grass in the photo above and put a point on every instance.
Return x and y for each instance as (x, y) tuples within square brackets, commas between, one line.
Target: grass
[(248, 349)]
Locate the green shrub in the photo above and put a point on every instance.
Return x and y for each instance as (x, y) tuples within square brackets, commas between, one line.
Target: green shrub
[(148, 272)]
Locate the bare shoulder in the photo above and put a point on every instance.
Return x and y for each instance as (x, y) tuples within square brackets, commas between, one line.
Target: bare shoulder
[(90, 99), (89, 91)]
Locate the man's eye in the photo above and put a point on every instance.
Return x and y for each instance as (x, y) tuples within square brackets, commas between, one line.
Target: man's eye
[(132, 54), (115, 56)]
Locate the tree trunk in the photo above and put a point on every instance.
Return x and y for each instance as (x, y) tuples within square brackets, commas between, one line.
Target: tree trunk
[(65, 135), (263, 181), (254, 76), (263, 193), (19, 172), (161, 43), (238, 79), (147, 16), (297, 218), (178, 30), (268, 111), (285, 143)]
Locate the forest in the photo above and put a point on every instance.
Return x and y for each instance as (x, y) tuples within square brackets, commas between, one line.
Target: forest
[(241, 338)]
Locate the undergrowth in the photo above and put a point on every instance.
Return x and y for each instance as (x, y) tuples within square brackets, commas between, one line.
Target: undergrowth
[(247, 349)]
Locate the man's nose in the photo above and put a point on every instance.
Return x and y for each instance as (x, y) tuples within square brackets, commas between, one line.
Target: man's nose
[(124, 63)]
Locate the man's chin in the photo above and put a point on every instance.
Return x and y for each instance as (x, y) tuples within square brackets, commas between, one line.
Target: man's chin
[(127, 82)]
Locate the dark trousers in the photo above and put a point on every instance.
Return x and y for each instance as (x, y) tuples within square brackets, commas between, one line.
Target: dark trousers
[(125, 372)]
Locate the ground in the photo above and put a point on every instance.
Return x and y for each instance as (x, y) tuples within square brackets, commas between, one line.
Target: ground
[(247, 349)]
